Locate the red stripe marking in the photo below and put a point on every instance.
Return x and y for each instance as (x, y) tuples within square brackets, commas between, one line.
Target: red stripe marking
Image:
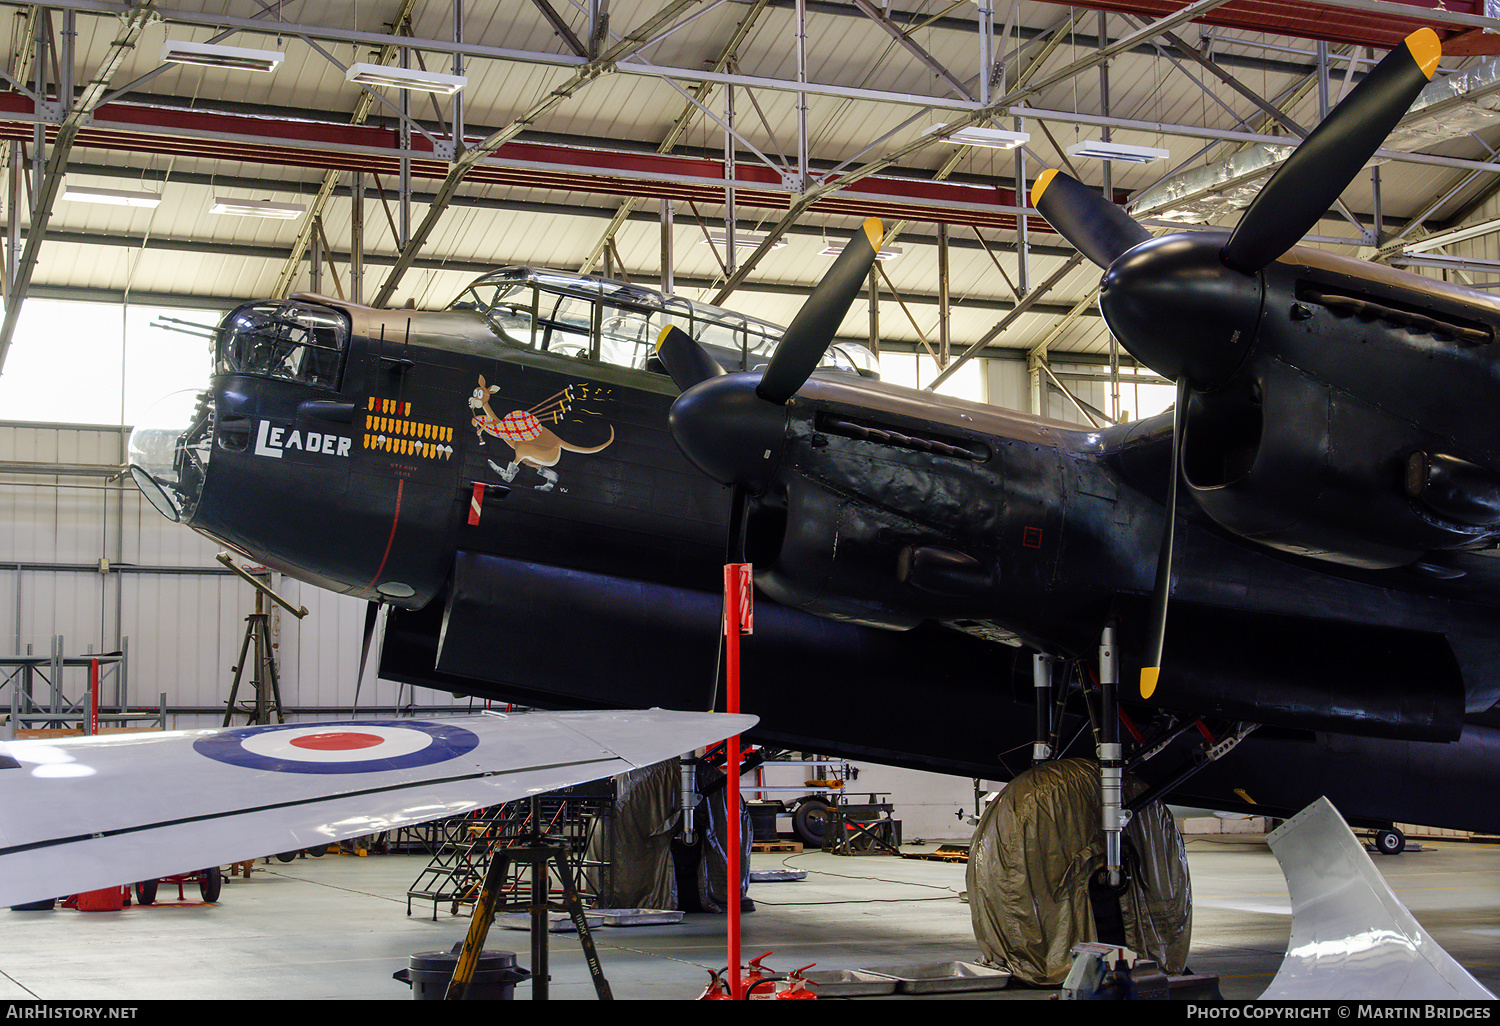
[(400, 484)]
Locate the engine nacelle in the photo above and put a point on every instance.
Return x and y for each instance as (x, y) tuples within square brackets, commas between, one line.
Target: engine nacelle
[(1295, 464), (1299, 673)]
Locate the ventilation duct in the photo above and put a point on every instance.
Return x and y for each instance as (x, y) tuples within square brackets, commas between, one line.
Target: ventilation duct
[(1451, 106)]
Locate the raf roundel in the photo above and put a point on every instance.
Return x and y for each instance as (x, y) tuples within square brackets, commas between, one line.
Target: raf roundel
[(362, 746)]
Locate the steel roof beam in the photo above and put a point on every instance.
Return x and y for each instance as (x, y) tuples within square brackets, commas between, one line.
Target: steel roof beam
[(529, 164), (1407, 15), (1013, 96), (129, 87), (362, 109), (1031, 304), (128, 34), (465, 162), (680, 126), (337, 35), (911, 46), (522, 206), (1234, 135), (1435, 15), (562, 28), (328, 33), (1020, 73)]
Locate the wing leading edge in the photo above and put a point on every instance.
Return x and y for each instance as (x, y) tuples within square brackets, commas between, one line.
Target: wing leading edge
[(83, 814)]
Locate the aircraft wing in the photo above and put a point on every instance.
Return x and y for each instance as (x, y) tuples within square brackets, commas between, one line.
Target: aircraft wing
[(87, 813)]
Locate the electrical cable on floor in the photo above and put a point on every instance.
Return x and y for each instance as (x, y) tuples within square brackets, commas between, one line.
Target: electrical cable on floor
[(5, 975), (949, 892), (334, 887)]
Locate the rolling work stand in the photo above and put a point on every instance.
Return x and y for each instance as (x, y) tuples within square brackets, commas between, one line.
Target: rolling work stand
[(540, 854), (866, 829)]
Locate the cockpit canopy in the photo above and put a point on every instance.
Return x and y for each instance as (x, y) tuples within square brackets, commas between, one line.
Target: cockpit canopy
[(617, 323)]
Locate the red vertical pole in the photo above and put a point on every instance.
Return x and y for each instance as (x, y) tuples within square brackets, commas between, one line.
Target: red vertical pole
[(732, 772), (93, 696)]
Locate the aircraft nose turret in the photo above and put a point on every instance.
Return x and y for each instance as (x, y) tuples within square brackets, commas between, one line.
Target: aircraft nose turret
[(729, 432), (1174, 305), (169, 450)]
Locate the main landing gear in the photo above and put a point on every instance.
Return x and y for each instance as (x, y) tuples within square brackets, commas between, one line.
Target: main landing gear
[(1077, 850)]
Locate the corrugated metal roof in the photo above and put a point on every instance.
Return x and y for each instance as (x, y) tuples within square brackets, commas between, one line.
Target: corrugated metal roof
[(518, 60)]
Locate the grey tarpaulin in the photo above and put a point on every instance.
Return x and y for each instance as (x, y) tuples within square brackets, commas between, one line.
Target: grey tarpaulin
[(1029, 866), (713, 865), (631, 845)]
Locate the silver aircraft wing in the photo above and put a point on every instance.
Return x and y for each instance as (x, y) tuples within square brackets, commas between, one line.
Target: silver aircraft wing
[(87, 813)]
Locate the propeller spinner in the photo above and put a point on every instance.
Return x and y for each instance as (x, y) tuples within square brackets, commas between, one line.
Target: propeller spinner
[(733, 425), (1188, 305)]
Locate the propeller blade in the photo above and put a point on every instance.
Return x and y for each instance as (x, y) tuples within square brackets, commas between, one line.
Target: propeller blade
[(1097, 228), (372, 618), (686, 360), (811, 331), (734, 539), (1311, 179), (1157, 623)]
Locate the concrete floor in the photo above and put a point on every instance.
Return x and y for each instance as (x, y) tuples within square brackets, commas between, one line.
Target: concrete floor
[(337, 928)]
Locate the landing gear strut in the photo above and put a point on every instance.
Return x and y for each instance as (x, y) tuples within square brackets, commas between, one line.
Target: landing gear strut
[(1111, 757), (1109, 884)]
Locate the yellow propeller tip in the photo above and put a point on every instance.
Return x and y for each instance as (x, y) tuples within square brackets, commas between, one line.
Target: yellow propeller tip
[(1149, 675), (662, 336), (1040, 185), (1426, 49), (875, 232)]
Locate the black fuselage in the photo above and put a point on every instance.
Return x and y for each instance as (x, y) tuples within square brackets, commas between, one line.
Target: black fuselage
[(911, 553)]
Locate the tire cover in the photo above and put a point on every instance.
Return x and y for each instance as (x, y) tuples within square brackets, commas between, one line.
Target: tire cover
[(1029, 866)]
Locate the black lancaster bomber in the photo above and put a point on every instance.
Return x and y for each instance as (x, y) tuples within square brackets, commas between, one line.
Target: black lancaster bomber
[(1298, 564)]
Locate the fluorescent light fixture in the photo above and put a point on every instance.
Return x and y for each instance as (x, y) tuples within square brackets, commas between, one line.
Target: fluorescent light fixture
[(884, 253), (742, 240), (405, 78), (214, 55), (995, 138), (1101, 150), (256, 208), (116, 197)]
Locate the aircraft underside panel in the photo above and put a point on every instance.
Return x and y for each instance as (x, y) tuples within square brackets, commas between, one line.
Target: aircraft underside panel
[(1373, 781), (930, 698)]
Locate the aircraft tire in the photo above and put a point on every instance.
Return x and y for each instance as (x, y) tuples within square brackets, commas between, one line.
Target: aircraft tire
[(145, 892), (810, 820), (211, 884), (1390, 842)]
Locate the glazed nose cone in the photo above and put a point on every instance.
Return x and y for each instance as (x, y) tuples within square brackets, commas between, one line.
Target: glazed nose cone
[(169, 450)]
